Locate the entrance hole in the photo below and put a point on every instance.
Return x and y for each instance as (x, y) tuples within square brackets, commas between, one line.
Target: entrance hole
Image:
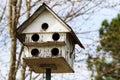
[(55, 51), (35, 52), (55, 36), (35, 37), (44, 26)]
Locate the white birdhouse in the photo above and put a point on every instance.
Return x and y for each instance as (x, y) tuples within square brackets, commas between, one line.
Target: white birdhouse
[(48, 40)]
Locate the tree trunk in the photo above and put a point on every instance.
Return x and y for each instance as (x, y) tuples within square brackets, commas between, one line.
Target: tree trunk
[(12, 59), (23, 70), (23, 63), (11, 28)]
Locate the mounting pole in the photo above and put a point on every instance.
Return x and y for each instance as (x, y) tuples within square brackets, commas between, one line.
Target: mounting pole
[(48, 73), (48, 68)]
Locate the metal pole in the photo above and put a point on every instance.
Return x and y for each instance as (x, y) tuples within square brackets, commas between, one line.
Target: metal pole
[(48, 73)]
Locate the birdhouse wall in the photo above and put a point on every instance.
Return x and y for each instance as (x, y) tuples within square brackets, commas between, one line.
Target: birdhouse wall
[(70, 42), (46, 22), (70, 45), (45, 37), (53, 49), (44, 52)]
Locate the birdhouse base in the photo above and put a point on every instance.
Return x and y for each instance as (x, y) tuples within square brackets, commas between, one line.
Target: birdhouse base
[(57, 65)]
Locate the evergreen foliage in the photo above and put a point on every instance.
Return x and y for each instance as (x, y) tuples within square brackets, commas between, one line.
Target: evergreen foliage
[(107, 63)]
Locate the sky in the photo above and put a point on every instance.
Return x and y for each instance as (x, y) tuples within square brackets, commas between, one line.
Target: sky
[(81, 71)]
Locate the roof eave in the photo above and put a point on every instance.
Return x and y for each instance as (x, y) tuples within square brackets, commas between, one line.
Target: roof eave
[(77, 41), (30, 19)]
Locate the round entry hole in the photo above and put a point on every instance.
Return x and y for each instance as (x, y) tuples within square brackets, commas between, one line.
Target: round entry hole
[(34, 52), (55, 36), (44, 26), (35, 37), (55, 51)]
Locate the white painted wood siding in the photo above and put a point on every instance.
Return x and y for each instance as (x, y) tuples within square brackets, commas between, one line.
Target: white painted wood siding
[(46, 17), (45, 37), (69, 49), (46, 51)]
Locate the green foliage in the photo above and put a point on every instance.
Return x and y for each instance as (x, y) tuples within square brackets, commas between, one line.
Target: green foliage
[(107, 64)]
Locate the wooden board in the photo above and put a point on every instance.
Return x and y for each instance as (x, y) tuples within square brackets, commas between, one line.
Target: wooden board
[(39, 65), (39, 44)]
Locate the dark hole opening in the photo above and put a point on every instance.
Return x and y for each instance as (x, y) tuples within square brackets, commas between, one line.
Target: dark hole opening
[(35, 37), (55, 51), (55, 36), (34, 52), (44, 26)]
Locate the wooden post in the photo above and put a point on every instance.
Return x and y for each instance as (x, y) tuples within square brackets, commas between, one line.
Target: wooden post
[(48, 68), (48, 73)]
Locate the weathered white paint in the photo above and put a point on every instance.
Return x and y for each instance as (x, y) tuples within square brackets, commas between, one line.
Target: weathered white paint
[(46, 51), (46, 17), (45, 37), (69, 49)]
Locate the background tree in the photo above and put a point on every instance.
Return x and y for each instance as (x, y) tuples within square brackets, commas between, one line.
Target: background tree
[(13, 9), (107, 63)]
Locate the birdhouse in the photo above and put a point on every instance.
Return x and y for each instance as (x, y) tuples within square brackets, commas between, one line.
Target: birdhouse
[(48, 41)]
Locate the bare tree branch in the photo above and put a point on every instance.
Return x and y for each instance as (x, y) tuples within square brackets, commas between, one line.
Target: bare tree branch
[(3, 13), (19, 59)]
